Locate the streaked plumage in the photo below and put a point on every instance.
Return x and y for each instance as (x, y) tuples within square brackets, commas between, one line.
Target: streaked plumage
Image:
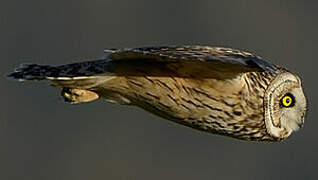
[(218, 90)]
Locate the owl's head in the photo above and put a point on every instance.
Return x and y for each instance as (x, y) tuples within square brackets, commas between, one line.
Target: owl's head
[(285, 105)]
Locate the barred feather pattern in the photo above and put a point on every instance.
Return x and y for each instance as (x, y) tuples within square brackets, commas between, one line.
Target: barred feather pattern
[(239, 114)]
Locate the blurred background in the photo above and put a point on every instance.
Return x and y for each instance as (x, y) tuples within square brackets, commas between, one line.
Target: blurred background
[(42, 138)]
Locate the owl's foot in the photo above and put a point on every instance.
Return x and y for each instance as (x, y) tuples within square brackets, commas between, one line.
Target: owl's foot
[(76, 96)]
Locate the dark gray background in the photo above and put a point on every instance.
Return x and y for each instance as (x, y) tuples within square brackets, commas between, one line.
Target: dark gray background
[(42, 138)]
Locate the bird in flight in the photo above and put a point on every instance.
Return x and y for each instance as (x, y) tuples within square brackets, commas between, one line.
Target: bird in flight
[(214, 89)]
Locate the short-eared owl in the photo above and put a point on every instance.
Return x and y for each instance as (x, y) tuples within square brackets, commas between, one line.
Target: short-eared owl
[(218, 90)]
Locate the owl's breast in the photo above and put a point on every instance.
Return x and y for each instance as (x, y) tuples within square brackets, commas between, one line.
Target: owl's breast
[(231, 107)]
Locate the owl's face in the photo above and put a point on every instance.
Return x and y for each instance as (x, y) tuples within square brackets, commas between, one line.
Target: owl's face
[(285, 105)]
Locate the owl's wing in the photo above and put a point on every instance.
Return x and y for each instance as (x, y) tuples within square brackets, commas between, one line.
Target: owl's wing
[(197, 61)]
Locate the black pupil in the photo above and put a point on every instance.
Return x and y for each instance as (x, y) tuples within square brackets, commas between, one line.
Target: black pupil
[(288, 100)]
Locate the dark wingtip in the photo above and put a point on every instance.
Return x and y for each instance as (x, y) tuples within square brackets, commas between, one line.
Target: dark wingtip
[(14, 75), (20, 73)]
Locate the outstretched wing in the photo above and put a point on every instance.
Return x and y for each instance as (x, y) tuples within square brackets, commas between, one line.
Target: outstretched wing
[(192, 61), (171, 61)]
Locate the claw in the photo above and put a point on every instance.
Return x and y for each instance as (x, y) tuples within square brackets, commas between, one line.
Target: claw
[(76, 96)]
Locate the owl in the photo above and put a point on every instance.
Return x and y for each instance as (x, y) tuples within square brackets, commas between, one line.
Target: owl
[(213, 89)]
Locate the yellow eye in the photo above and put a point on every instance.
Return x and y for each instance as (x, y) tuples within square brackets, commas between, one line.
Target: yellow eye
[(288, 100)]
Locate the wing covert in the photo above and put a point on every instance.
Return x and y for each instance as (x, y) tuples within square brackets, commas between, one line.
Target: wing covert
[(186, 62), (195, 53)]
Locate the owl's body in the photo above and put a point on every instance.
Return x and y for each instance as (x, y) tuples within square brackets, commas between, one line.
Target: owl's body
[(233, 108), (218, 90)]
